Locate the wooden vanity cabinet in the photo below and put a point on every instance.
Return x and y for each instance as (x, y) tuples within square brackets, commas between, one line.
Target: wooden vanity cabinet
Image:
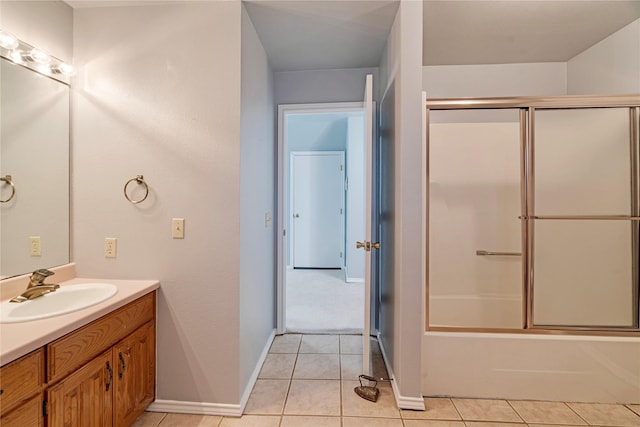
[(102, 374), (21, 384), (114, 387)]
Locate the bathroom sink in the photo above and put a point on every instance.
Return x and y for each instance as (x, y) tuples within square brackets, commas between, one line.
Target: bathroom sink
[(64, 300)]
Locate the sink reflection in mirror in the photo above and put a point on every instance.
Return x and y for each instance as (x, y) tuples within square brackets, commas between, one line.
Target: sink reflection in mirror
[(66, 299)]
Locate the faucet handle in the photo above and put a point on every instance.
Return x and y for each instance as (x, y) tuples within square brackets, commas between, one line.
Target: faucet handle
[(39, 276)]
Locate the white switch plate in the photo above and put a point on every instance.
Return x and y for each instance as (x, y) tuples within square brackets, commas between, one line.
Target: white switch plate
[(35, 246), (110, 247), (177, 228)]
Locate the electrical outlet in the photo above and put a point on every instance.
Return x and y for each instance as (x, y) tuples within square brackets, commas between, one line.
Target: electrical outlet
[(177, 228), (35, 246), (110, 247)]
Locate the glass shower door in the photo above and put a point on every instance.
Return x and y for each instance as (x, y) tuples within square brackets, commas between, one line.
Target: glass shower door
[(584, 238)]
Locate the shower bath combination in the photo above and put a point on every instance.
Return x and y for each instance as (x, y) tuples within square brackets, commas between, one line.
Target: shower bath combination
[(534, 215)]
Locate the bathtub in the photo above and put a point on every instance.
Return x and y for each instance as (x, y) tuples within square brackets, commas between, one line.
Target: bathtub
[(572, 368)]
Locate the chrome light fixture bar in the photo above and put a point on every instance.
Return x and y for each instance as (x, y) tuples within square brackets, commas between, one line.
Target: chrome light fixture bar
[(22, 53)]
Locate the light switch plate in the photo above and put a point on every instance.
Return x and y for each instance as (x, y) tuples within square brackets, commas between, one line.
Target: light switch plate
[(177, 228)]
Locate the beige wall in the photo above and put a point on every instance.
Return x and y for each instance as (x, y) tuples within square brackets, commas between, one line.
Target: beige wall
[(163, 100)]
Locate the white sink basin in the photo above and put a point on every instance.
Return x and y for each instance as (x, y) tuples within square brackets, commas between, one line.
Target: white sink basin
[(64, 300)]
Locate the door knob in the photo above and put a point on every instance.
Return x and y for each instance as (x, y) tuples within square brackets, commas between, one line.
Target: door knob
[(296, 215), (367, 245)]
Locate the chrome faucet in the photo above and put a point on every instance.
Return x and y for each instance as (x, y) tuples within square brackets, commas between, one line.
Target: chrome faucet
[(36, 287)]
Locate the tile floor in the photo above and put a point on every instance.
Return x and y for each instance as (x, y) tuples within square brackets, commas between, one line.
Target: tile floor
[(308, 381)]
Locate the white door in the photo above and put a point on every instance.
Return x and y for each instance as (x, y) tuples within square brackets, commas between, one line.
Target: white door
[(317, 180), (368, 244)]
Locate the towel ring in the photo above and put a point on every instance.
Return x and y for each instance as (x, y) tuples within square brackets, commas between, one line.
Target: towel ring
[(8, 180), (140, 180)]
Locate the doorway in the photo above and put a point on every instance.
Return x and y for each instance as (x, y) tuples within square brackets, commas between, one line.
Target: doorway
[(320, 272)]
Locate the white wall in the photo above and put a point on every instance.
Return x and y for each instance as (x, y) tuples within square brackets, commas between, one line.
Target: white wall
[(611, 66), (257, 202), (47, 25), (530, 79), (321, 86), (402, 319), (163, 100)]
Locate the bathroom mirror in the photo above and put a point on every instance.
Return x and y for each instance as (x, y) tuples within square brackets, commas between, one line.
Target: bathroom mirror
[(34, 167)]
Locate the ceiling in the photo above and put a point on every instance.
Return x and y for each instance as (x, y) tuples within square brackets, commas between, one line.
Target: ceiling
[(322, 34)]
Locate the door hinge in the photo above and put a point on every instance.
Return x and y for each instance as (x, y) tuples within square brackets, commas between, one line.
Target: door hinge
[(284, 232), (45, 408), (340, 211), (340, 254), (341, 167)]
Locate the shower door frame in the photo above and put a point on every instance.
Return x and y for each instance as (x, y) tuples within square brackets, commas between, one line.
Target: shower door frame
[(527, 107)]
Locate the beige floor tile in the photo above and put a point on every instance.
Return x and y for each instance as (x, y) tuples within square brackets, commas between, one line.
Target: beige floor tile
[(251, 421), (189, 420), (634, 408), (306, 421), (606, 414), (437, 408), (486, 410), (313, 397), (287, 343), (432, 423), (350, 344), (371, 422), (278, 366), (317, 367), (149, 419), (355, 406), (546, 412), (320, 344), (267, 397), (350, 366)]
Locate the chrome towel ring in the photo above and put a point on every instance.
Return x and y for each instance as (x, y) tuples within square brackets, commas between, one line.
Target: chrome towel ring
[(7, 179), (140, 180)]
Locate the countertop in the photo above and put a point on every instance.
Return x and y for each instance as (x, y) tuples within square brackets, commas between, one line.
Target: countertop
[(18, 339)]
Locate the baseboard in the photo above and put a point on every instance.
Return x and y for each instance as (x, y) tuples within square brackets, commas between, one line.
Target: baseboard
[(350, 279), (220, 409), (256, 372), (199, 408), (403, 402)]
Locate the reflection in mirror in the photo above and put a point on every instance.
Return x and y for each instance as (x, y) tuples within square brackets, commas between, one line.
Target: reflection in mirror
[(34, 151)]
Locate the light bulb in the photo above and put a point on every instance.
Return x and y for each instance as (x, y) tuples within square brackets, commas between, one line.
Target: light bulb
[(8, 40), (64, 69), (40, 56), (17, 56)]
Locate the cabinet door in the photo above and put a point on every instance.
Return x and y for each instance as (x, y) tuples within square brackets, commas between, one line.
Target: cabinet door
[(29, 414), (135, 379), (85, 397)]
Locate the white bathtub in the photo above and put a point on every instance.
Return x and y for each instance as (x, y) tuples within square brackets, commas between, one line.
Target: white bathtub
[(536, 367)]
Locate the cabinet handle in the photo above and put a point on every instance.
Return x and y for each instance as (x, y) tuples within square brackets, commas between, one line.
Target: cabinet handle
[(110, 377), (122, 365)]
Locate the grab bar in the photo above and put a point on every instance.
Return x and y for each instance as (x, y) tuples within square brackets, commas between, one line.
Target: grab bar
[(489, 253)]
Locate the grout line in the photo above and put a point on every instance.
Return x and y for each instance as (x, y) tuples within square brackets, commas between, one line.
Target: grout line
[(575, 412), (515, 410)]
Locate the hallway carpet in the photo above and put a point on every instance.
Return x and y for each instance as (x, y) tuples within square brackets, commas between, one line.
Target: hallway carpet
[(320, 301)]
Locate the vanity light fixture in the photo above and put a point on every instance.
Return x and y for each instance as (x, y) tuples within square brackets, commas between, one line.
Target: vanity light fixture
[(22, 53)]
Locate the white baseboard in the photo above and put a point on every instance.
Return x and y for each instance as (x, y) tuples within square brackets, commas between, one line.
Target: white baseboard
[(199, 408), (256, 372), (403, 402), (219, 409)]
